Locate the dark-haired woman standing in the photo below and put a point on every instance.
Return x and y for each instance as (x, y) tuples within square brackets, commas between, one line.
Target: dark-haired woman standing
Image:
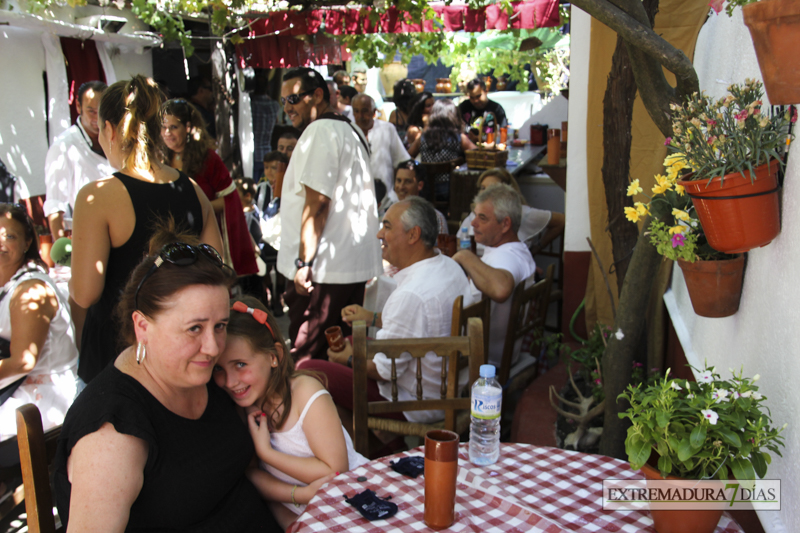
[(114, 217)]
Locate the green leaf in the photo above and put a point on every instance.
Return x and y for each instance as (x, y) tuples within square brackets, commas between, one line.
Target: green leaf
[(638, 452), (730, 437), (684, 450), (662, 418), (742, 469), (664, 464), (698, 436), (759, 464)]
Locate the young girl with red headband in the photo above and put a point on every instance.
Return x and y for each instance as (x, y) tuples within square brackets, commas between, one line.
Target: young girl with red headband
[(298, 436)]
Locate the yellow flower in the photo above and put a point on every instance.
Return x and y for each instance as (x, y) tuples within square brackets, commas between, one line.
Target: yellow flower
[(631, 214), (680, 215), (677, 159), (680, 190), (662, 184), (674, 230), (634, 188), (641, 209)]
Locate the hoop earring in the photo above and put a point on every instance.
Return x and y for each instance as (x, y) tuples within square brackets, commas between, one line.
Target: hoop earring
[(141, 353)]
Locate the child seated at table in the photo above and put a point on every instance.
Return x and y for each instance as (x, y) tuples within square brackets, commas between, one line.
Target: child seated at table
[(294, 424)]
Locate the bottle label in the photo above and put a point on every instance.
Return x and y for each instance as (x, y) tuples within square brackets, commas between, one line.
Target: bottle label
[(487, 408)]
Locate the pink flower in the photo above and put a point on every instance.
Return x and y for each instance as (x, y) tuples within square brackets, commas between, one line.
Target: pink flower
[(741, 115), (711, 122), (598, 381), (678, 240), (716, 5), (667, 141), (637, 365)]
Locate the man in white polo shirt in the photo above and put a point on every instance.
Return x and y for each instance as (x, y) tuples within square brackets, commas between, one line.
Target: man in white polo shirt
[(75, 158), (506, 262), (328, 215)]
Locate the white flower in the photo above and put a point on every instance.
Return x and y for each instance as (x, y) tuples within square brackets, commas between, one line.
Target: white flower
[(710, 415), (690, 396), (719, 395), (746, 394), (756, 377), (756, 396), (619, 335), (675, 386), (706, 377), (734, 396)]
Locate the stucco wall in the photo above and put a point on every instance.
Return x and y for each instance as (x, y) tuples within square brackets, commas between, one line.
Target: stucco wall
[(763, 336)]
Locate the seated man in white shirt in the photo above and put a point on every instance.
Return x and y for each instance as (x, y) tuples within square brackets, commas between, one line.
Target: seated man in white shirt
[(427, 285), (506, 262)]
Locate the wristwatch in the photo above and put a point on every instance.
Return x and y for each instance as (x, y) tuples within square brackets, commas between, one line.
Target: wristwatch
[(299, 263)]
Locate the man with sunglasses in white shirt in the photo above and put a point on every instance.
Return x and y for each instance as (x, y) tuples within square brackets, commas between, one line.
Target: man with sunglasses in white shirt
[(328, 215)]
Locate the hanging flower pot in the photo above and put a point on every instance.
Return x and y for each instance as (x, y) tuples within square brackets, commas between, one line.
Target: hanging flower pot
[(738, 215), (683, 521), (775, 28), (715, 287)]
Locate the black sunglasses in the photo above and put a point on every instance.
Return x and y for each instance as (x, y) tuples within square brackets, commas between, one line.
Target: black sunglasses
[(294, 99), (180, 254)]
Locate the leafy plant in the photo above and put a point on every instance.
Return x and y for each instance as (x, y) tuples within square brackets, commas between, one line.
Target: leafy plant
[(703, 429), (732, 134)]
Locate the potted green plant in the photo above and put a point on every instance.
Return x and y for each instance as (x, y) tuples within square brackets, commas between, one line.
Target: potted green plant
[(728, 152), (713, 279), (709, 429), (775, 29)]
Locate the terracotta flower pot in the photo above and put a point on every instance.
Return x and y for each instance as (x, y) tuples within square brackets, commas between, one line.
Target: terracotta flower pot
[(738, 215), (419, 84), (775, 29), (715, 287), (686, 521)]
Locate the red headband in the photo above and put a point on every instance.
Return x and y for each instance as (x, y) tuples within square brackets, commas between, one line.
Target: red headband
[(259, 315)]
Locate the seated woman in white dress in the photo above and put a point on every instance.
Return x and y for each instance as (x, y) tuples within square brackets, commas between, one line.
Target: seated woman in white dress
[(546, 225), (38, 357)]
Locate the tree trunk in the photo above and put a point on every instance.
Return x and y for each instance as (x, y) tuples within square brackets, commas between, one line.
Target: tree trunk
[(625, 339), (617, 117)]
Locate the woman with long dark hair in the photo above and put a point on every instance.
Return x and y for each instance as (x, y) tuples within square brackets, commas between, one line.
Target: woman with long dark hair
[(403, 98), (114, 217), (420, 109), (442, 140), (189, 148), (38, 357)]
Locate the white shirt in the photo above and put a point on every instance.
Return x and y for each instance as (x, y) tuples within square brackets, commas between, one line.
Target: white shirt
[(421, 306), (70, 164), (52, 383), (387, 152), (515, 258), (534, 221), (330, 159)]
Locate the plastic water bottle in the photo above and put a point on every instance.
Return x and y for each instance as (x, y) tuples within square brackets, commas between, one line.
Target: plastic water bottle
[(484, 428), (465, 243)]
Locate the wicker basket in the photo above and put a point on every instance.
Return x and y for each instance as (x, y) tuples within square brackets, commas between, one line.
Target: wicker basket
[(485, 159)]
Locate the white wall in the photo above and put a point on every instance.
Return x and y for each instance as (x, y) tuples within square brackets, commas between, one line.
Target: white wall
[(577, 206), (763, 336), (23, 138)]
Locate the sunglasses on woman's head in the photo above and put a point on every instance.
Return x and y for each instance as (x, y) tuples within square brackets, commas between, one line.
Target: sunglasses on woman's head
[(179, 254), (294, 99)]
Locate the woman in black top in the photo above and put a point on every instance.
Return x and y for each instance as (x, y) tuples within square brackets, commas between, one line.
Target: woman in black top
[(152, 444), (114, 217)]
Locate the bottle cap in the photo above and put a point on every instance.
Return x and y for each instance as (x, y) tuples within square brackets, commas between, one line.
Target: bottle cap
[(487, 371)]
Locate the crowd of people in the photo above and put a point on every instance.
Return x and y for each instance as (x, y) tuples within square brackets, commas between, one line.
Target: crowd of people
[(182, 405)]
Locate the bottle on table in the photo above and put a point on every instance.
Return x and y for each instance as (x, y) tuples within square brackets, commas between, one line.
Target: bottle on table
[(484, 429), (465, 243)]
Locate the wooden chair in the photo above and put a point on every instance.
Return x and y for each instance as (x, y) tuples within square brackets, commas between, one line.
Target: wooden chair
[(528, 314), (431, 171), (462, 314), (36, 451), (366, 415), (556, 250)]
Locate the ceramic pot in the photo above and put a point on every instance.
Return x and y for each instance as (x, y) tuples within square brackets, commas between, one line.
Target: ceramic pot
[(715, 287), (738, 215), (419, 85), (391, 74), (487, 80), (775, 29), (501, 84), (441, 473), (444, 85), (685, 521)]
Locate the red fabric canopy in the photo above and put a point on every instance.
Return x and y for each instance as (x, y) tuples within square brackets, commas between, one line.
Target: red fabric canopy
[(284, 50)]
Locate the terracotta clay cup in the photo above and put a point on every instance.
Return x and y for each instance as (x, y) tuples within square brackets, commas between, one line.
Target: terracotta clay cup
[(335, 338), (441, 471)]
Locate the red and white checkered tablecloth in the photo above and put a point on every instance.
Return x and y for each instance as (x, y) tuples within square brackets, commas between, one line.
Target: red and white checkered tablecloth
[(530, 489)]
